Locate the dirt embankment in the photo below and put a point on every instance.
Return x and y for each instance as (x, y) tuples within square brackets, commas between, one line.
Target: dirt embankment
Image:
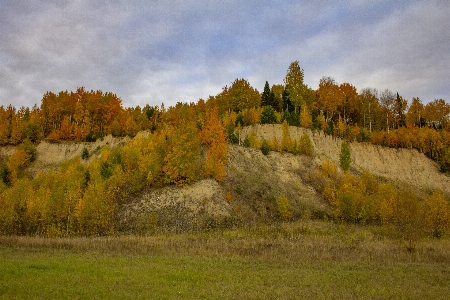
[(254, 180), (52, 154), (404, 165)]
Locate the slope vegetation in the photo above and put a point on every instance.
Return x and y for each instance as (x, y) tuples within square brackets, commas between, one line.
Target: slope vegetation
[(403, 165)]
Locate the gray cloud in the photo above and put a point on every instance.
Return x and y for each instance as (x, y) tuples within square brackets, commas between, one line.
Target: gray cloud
[(170, 51)]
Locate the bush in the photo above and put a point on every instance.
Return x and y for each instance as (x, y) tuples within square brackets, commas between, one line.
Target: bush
[(330, 128), (231, 135), (4, 173), (246, 142), (85, 153), (265, 148), (305, 145), (283, 208), (106, 170), (90, 138), (30, 150), (344, 157)]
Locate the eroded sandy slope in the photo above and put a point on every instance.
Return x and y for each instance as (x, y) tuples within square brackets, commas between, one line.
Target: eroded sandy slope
[(403, 165)]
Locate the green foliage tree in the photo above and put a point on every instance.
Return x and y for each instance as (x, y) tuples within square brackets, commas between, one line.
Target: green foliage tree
[(30, 150), (400, 107), (85, 153), (294, 84), (287, 104), (267, 97), (265, 147), (345, 157), (268, 115)]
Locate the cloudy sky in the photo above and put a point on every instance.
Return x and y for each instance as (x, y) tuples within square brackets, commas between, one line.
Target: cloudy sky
[(179, 51)]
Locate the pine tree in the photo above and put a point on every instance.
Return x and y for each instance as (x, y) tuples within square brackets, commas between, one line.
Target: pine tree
[(266, 96), (268, 115)]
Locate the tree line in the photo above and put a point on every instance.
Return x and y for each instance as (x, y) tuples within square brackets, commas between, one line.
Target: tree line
[(189, 141)]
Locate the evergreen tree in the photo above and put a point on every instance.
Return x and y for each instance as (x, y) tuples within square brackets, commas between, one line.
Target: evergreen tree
[(400, 108), (287, 104), (265, 148), (266, 96), (268, 115)]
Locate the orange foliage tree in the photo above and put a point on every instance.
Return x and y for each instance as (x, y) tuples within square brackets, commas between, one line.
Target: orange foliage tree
[(213, 137)]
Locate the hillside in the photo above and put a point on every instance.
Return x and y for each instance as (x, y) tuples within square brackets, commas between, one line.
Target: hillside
[(254, 182), (403, 165)]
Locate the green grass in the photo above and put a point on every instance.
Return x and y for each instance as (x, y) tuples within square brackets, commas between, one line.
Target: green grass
[(317, 260)]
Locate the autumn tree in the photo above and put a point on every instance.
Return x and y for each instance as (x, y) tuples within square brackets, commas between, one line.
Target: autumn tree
[(414, 115), (437, 214), (329, 97), (305, 117), (241, 95), (213, 136), (437, 113), (294, 84), (387, 101), (348, 106), (369, 105)]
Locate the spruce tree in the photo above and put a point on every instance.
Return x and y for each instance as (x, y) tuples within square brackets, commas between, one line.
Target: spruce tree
[(265, 97)]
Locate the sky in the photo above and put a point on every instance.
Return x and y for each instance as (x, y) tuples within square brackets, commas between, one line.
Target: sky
[(153, 52)]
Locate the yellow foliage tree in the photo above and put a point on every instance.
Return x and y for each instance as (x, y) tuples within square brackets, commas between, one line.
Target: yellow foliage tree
[(437, 214), (214, 138), (305, 117), (286, 142)]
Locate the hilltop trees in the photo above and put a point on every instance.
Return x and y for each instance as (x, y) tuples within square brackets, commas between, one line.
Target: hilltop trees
[(329, 97), (268, 96), (295, 87), (241, 95), (348, 107), (415, 112)]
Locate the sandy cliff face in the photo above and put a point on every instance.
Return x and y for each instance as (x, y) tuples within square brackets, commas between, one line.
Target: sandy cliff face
[(403, 165)]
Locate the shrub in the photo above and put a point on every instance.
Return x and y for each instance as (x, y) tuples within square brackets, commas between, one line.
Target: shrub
[(305, 145), (30, 150), (286, 142), (106, 170), (85, 153), (344, 157), (265, 148), (239, 120), (283, 208), (246, 142), (437, 217), (4, 173), (330, 128), (231, 135), (305, 118)]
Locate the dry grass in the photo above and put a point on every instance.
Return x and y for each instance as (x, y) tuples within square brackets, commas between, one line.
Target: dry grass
[(306, 260), (300, 241)]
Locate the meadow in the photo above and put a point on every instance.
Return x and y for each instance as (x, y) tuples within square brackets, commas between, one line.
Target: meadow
[(305, 259)]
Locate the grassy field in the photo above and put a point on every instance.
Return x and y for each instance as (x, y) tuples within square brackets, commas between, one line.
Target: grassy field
[(286, 261)]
